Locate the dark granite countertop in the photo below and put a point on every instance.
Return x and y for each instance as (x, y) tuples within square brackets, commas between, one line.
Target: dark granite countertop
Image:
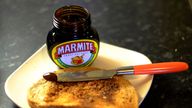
[(160, 29)]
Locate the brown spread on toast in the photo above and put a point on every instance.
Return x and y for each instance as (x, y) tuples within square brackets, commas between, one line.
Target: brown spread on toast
[(111, 93)]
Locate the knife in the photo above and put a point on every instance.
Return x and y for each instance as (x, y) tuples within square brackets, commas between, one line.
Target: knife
[(88, 73)]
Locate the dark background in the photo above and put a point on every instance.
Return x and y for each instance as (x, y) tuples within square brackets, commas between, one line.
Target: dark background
[(160, 29)]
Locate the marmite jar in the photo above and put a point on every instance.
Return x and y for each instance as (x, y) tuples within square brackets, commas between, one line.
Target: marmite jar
[(72, 42)]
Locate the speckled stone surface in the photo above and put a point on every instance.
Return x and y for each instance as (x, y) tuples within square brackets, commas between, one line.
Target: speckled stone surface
[(160, 29)]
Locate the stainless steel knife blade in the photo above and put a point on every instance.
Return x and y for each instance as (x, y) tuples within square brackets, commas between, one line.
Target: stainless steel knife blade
[(85, 75)]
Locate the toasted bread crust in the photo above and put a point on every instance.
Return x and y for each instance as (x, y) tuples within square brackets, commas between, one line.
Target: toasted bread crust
[(111, 93)]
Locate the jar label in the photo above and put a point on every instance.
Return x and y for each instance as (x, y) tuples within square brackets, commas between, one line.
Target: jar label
[(75, 53)]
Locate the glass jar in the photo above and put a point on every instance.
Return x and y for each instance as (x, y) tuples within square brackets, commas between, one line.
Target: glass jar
[(72, 42)]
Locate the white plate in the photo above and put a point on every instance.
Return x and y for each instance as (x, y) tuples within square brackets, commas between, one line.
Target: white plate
[(110, 56)]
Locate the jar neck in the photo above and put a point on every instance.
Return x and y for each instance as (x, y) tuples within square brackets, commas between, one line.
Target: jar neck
[(72, 19)]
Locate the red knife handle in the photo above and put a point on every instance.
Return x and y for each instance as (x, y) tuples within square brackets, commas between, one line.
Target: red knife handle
[(161, 68)]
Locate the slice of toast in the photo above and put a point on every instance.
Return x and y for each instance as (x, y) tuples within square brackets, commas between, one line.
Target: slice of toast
[(110, 93)]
